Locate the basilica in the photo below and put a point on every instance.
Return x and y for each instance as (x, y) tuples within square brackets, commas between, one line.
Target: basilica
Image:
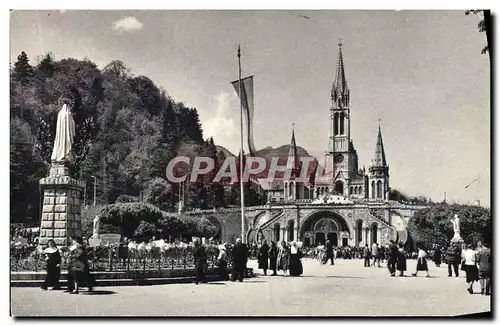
[(342, 203), (340, 174)]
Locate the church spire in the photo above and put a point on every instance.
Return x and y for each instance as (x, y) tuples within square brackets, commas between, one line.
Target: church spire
[(379, 159), (293, 153), (340, 91)]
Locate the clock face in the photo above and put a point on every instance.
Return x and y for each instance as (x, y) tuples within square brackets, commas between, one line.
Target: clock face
[(339, 158)]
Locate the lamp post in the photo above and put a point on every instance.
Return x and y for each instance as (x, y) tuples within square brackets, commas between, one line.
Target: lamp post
[(95, 188)]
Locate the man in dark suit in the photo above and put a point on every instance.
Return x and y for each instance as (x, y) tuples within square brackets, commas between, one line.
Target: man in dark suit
[(239, 255), (453, 257), (392, 258)]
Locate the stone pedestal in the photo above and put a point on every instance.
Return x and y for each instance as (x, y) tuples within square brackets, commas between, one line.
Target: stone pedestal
[(61, 214)]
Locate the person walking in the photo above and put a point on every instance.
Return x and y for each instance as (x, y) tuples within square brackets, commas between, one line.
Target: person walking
[(392, 258), (437, 256), (222, 263), (367, 255), (469, 263), (375, 254), (53, 260), (484, 268), (453, 259), (80, 270), (422, 262), (273, 258), (200, 262), (401, 260), (284, 258), (240, 256), (296, 268), (263, 257)]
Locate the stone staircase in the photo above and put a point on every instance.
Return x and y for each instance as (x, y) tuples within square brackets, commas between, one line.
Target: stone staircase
[(276, 214)]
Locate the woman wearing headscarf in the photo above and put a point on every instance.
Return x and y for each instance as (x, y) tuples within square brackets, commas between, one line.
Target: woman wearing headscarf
[(273, 258), (296, 268), (263, 257), (421, 262), (53, 259), (284, 258), (470, 257), (80, 270), (222, 263)]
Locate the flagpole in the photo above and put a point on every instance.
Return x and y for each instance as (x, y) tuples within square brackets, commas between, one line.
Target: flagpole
[(242, 200)]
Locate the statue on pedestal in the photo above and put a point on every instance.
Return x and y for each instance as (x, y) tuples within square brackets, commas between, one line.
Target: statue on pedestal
[(456, 229), (65, 133), (97, 221)]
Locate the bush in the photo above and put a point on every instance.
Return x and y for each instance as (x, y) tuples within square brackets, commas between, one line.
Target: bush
[(128, 216)]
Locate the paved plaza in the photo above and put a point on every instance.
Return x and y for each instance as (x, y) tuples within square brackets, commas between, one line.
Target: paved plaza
[(346, 289)]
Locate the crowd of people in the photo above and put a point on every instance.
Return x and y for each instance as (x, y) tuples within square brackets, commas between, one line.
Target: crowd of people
[(286, 258)]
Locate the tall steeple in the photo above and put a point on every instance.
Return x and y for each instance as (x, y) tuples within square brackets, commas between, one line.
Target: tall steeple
[(379, 159), (293, 153), (340, 91)]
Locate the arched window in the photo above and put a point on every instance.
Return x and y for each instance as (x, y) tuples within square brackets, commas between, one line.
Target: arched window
[(335, 123), (374, 233), (373, 189), (290, 231), (341, 118), (351, 190), (359, 232), (277, 232), (379, 189), (297, 191), (290, 190)]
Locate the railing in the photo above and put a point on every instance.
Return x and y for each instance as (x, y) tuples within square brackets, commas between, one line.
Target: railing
[(112, 259)]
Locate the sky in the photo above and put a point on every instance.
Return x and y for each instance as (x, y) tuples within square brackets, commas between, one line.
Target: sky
[(420, 72)]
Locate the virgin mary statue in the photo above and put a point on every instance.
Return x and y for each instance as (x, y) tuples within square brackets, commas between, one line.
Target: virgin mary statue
[(65, 132)]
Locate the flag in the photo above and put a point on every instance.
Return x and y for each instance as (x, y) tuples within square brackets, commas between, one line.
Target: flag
[(247, 103)]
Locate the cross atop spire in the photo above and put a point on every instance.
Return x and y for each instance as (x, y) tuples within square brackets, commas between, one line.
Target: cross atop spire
[(340, 92)]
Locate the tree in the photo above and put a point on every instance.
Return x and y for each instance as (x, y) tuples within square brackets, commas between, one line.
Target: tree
[(26, 169), (159, 193), (127, 129), (485, 25), (23, 71), (432, 225)]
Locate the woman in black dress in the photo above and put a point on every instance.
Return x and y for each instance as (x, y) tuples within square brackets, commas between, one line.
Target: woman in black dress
[(296, 268), (53, 259), (437, 256), (273, 258), (263, 257), (200, 262), (401, 260)]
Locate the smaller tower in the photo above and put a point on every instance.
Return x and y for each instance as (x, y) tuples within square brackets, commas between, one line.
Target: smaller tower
[(293, 189), (378, 178)]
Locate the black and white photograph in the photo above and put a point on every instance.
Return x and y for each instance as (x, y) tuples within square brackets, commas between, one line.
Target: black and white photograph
[(250, 163)]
